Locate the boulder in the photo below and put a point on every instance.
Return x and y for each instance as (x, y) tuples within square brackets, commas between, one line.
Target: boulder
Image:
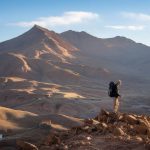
[(113, 117), (130, 119), (138, 138), (118, 132), (144, 122), (103, 118), (104, 125), (140, 129), (95, 122)]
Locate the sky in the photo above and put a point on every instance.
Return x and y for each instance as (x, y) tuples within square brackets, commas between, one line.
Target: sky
[(101, 18)]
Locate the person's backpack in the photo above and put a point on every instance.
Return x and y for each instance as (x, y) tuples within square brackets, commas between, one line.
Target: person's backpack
[(111, 89)]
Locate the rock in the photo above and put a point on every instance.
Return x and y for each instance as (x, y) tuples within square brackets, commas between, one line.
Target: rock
[(114, 117), (85, 128), (66, 147), (99, 128), (128, 137), (144, 122), (88, 122), (120, 117), (79, 129), (130, 119), (92, 129), (111, 128), (81, 137), (53, 139), (131, 127), (89, 138), (104, 112), (95, 122), (138, 138), (104, 125), (103, 116), (4, 80), (26, 145), (148, 118), (118, 132), (140, 129)]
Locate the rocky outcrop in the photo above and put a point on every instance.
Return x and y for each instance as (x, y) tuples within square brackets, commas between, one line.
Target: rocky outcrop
[(126, 130)]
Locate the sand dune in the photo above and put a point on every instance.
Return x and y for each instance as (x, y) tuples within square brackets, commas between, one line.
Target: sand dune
[(12, 121)]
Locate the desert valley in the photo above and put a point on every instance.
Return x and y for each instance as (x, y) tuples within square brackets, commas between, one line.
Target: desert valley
[(57, 80)]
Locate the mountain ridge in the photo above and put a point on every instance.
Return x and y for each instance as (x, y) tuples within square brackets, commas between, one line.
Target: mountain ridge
[(52, 82), (117, 50), (35, 36), (91, 63)]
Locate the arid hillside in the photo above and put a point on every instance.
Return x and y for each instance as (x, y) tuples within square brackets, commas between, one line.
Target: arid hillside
[(106, 131), (40, 73), (44, 72), (51, 84)]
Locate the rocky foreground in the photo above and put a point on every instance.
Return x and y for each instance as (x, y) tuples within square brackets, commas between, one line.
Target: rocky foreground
[(106, 131)]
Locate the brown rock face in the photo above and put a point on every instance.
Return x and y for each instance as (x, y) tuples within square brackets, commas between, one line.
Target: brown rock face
[(140, 129), (118, 132), (130, 119)]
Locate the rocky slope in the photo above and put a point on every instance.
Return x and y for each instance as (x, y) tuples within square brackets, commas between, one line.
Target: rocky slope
[(106, 131)]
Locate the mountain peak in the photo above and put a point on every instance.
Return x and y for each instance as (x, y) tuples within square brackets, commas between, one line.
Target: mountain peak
[(77, 34), (39, 39), (122, 39), (38, 28)]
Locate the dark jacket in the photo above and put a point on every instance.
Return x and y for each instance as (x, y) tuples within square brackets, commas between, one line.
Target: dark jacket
[(116, 91)]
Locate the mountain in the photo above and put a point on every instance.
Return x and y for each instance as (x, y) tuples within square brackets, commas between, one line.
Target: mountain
[(42, 55), (38, 42), (50, 82), (123, 58), (83, 41), (30, 55), (97, 46), (41, 70), (39, 66), (118, 53)]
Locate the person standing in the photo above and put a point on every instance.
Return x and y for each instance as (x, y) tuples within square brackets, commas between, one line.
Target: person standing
[(114, 92)]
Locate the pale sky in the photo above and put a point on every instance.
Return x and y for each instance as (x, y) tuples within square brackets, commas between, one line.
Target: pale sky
[(101, 18)]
